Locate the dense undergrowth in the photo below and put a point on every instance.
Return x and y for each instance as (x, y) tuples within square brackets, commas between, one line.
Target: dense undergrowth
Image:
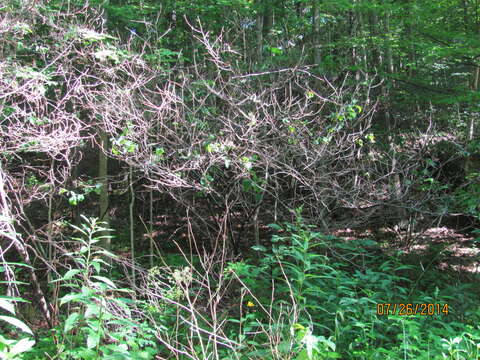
[(208, 119), (304, 296)]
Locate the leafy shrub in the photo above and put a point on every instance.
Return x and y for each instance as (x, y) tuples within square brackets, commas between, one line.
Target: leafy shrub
[(13, 348), (101, 323), (316, 297), (306, 296)]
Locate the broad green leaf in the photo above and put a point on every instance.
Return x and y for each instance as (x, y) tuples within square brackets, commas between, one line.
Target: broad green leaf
[(17, 323), (105, 280), (106, 253), (302, 355), (71, 298), (71, 322), (92, 310), (92, 35), (7, 305), (22, 346), (259, 248), (96, 265), (71, 273), (276, 51), (93, 339), (13, 298), (83, 249)]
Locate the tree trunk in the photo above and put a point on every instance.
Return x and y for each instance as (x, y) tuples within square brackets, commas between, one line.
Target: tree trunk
[(260, 17), (150, 227), (354, 30), (103, 177), (474, 89), (316, 36), (132, 225)]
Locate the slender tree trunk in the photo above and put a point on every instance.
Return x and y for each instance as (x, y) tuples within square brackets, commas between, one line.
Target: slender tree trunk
[(316, 36), (473, 88), (51, 248), (387, 66), (260, 17), (354, 30), (268, 15), (377, 57), (475, 80), (256, 224), (103, 176), (408, 23), (103, 169), (388, 50), (150, 228), (132, 225)]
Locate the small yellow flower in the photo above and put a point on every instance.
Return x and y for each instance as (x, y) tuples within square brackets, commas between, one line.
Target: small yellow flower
[(250, 304)]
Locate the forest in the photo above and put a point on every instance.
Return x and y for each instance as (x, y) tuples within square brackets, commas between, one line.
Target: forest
[(239, 179)]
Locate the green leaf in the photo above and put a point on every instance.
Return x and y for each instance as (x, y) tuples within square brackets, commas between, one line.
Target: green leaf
[(275, 227), (96, 265), (71, 298), (7, 305), (99, 261), (71, 322), (17, 323), (93, 339), (92, 35), (22, 346), (302, 355), (105, 280), (106, 253), (84, 249), (16, 263), (259, 248), (71, 273), (276, 51), (92, 310)]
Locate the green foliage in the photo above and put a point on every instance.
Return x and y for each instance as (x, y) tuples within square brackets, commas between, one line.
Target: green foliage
[(314, 347), (467, 199), (160, 57), (83, 189), (307, 296), (304, 295), (23, 343), (123, 144), (88, 36), (100, 323), (330, 302)]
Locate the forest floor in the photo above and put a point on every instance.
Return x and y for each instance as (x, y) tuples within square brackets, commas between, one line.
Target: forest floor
[(442, 248), (439, 247)]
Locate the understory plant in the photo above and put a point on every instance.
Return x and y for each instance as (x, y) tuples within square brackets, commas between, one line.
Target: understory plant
[(13, 348), (304, 296), (101, 321), (315, 297)]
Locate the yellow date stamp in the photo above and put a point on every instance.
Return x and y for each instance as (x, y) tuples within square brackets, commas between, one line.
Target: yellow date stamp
[(407, 309)]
